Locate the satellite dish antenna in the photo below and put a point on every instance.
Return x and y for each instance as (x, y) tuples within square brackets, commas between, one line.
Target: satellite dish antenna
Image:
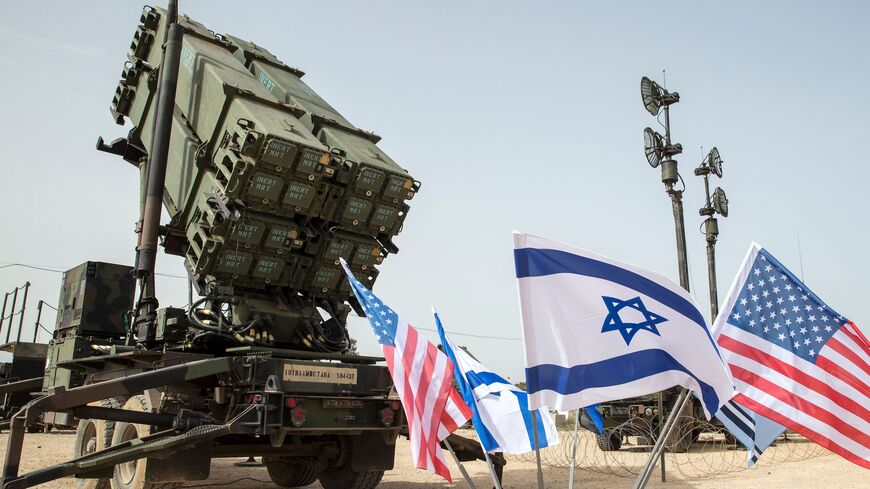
[(714, 162), (720, 202), (655, 148), (650, 92), (652, 147), (655, 97)]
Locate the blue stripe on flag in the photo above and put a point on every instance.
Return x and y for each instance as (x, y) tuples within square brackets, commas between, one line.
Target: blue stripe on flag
[(612, 371), (476, 379), (749, 431), (534, 262), (486, 439), (739, 409), (523, 401)]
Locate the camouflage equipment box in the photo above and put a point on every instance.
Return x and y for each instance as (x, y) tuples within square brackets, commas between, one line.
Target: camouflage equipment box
[(28, 362), (267, 185), (94, 297)]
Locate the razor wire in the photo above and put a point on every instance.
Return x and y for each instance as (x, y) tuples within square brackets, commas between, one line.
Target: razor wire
[(697, 449)]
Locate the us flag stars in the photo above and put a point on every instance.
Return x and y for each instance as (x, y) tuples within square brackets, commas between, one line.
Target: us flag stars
[(774, 306)]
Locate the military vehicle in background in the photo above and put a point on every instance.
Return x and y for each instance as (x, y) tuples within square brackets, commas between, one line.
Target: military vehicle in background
[(20, 376), (266, 186), (23, 373), (639, 416)]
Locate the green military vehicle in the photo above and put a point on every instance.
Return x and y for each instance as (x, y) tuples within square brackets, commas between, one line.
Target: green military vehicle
[(20, 376), (266, 187), (639, 416)]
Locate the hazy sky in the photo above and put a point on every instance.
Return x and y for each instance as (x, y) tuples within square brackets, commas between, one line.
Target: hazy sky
[(514, 115)]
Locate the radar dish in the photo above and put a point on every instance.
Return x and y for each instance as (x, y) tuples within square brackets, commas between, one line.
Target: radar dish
[(653, 147), (651, 94), (720, 202), (714, 162)]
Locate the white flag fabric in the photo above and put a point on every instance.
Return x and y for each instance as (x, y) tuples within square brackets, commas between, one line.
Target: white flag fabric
[(596, 330), (501, 410)]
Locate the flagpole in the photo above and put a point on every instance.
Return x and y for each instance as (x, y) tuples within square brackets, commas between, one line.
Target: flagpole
[(659, 447), (574, 451), (461, 467), (537, 449), (492, 471)]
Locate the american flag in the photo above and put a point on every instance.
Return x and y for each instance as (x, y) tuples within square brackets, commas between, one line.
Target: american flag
[(423, 378), (794, 359)]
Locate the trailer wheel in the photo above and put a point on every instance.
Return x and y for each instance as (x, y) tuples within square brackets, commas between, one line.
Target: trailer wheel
[(288, 474), (108, 427), (682, 437), (88, 440), (346, 478), (131, 475), (610, 440)]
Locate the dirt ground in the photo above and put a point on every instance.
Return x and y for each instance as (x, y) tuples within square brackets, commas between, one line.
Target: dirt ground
[(827, 471)]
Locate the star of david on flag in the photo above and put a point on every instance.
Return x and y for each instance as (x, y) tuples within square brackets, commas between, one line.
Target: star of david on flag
[(573, 303), (423, 378), (615, 322)]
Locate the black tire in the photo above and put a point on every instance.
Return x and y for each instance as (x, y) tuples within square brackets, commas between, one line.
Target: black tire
[(682, 437), (730, 439), (288, 474), (610, 441), (345, 478), (108, 429), (131, 475)]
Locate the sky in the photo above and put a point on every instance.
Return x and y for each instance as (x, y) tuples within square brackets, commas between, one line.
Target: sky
[(513, 115)]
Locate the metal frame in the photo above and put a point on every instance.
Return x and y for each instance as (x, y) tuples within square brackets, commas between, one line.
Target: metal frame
[(60, 399)]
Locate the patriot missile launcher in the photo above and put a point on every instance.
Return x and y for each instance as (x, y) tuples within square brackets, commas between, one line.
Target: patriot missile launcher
[(267, 187)]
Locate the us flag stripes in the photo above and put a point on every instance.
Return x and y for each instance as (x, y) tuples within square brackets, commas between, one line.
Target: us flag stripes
[(423, 378), (794, 359)]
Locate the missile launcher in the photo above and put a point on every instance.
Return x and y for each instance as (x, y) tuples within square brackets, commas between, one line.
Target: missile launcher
[(267, 185)]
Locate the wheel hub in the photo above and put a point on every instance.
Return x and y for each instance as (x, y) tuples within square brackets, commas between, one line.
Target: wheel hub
[(127, 470)]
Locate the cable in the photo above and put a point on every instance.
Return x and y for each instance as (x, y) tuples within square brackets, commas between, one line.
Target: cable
[(30, 266), (212, 484), (46, 269), (476, 335), (45, 329)]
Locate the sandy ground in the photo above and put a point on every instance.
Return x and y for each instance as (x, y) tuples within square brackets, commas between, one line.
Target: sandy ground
[(827, 471)]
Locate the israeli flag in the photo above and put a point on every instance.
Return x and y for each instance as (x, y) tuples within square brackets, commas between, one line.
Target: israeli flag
[(751, 429), (502, 417), (597, 330)]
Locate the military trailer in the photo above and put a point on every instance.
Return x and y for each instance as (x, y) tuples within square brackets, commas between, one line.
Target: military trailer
[(266, 186)]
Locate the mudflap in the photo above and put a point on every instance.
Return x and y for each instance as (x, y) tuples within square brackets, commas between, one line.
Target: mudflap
[(372, 451), (192, 463)]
